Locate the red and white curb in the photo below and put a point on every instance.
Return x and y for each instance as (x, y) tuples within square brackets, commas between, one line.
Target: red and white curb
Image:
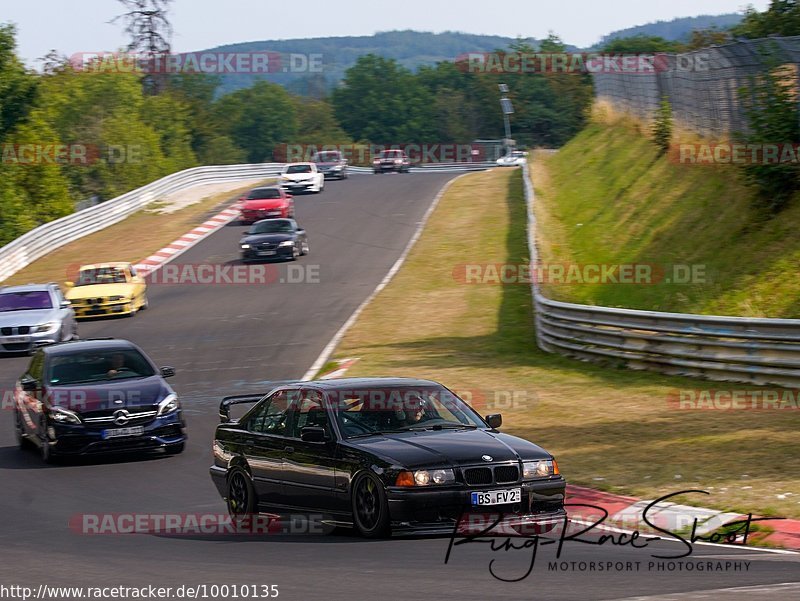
[(185, 242), (342, 365), (627, 513)]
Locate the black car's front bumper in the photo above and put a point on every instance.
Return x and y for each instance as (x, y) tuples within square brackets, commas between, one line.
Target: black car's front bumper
[(279, 253), (161, 432), (446, 510)]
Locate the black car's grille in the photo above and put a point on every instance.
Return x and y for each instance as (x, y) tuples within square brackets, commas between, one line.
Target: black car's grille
[(267, 246), (498, 474), (506, 473), (475, 476)]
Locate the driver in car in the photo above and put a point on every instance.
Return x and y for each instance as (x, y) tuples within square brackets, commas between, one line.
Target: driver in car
[(414, 411), (117, 364)]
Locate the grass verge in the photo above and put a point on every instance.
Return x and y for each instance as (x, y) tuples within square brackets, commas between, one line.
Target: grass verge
[(608, 198), (610, 429), (133, 239)]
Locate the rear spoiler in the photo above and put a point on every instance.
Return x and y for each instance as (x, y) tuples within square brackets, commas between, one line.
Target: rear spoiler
[(241, 399), (228, 401)]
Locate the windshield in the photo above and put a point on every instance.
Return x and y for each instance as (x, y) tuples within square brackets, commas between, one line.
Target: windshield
[(272, 226), (101, 275), (367, 411), (103, 365), (264, 193), (391, 154), (298, 169), (25, 301), (326, 157)]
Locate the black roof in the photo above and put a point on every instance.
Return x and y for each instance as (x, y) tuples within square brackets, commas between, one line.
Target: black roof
[(88, 344), (350, 383)]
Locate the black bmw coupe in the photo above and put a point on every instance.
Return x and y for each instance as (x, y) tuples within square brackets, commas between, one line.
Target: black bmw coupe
[(381, 455), (274, 239)]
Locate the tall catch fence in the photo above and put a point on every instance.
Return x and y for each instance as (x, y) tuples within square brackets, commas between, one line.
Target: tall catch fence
[(704, 86)]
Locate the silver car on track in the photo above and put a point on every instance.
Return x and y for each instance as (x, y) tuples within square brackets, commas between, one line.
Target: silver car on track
[(34, 315)]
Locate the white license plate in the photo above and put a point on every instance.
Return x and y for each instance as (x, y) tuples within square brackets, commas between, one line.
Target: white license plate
[(15, 339), (497, 497), (120, 432), (266, 253)]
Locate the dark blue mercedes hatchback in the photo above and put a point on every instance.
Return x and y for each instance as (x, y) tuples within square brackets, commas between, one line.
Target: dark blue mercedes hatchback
[(96, 396)]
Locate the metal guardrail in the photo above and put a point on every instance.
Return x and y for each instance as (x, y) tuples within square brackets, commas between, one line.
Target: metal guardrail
[(53, 235), (738, 349)]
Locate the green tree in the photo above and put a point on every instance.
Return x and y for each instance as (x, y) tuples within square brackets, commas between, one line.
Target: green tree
[(257, 119), (382, 102), (44, 187), (170, 118), (17, 85), (662, 126), (641, 44), (770, 103), (781, 18)]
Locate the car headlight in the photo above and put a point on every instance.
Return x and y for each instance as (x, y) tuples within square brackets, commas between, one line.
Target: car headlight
[(64, 416), (245, 246), (539, 469), (286, 243), (425, 477), (50, 326), (337, 168), (169, 404)]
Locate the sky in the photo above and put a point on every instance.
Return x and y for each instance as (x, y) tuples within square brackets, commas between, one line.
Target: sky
[(84, 25)]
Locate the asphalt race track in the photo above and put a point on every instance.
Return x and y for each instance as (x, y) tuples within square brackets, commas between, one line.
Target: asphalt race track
[(229, 338)]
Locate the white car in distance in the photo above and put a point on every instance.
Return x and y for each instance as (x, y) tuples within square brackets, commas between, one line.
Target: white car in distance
[(302, 177), (516, 158)]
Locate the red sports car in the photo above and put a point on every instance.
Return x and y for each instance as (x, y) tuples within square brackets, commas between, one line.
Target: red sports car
[(265, 203)]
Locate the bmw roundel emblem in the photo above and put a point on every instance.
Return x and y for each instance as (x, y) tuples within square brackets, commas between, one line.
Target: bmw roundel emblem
[(487, 457)]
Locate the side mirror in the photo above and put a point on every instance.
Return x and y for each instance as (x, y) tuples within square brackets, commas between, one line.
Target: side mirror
[(28, 384), (69, 284), (167, 372), (495, 420), (313, 434), (65, 304)]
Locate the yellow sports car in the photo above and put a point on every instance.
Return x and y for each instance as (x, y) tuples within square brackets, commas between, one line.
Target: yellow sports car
[(107, 289)]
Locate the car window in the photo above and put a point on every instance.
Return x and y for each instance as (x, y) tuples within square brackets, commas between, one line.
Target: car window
[(102, 275), (311, 412), (98, 365), (264, 193), (24, 301), (273, 226), (272, 417), (327, 157), (35, 368), (298, 169)]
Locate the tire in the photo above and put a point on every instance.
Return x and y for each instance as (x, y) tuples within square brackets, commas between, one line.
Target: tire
[(241, 494), (370, 507), (46, 451), (145, 304), (175, 449), (22, 440)]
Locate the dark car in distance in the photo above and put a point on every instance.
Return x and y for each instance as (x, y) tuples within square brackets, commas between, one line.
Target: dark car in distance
[(391, 160), (380, 455), (331, 164), (274, 239), (96, 396)]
